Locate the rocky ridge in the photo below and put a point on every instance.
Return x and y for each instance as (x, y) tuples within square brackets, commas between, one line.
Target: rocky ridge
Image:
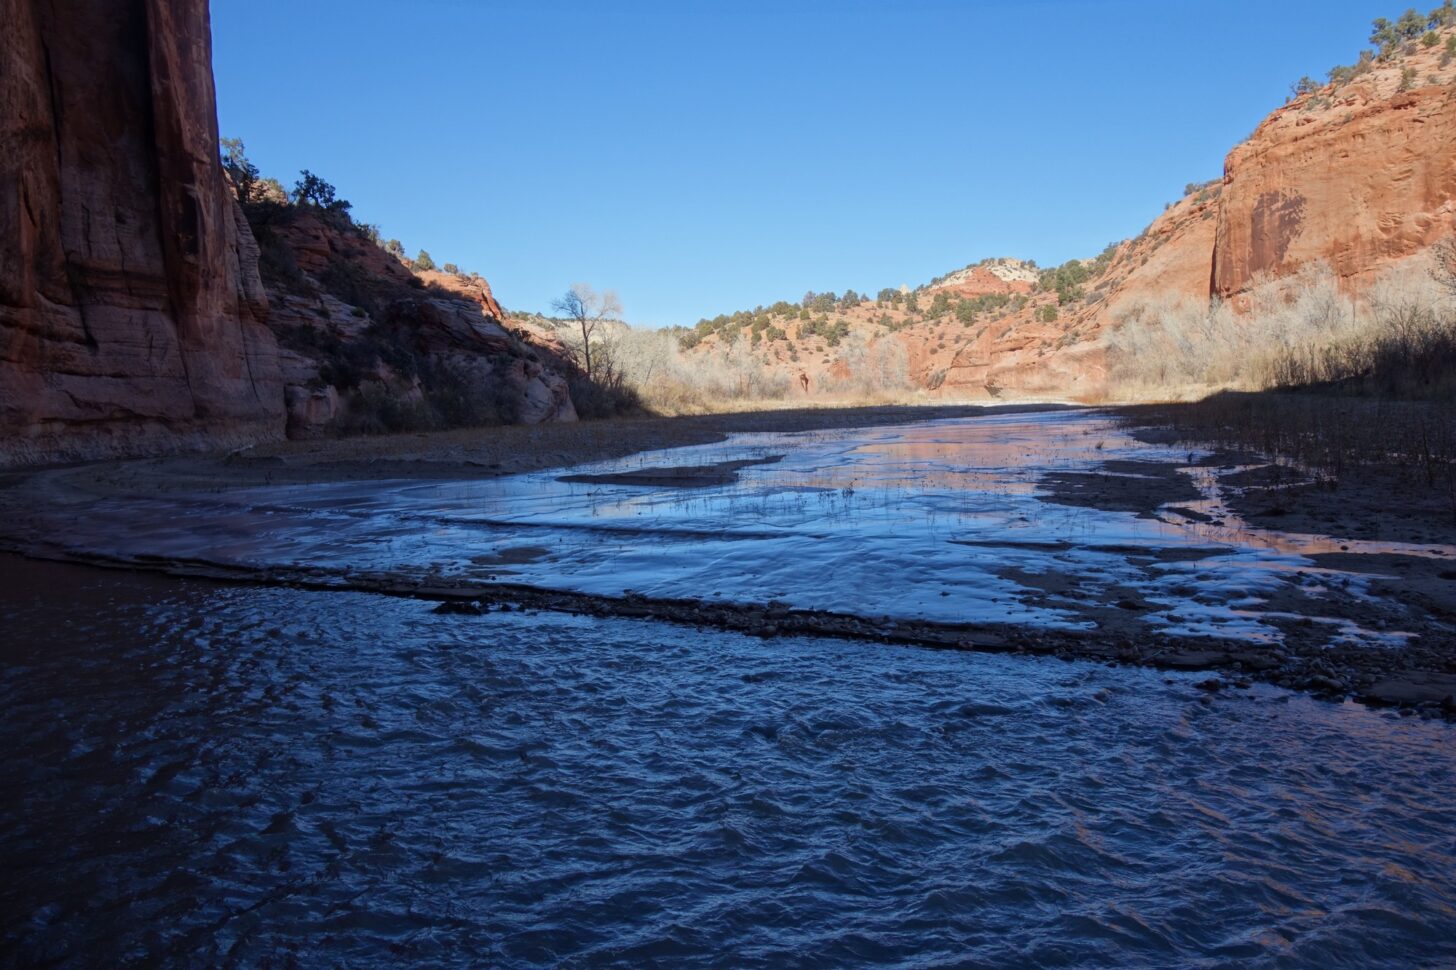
[(1358, 174), (367, 344)]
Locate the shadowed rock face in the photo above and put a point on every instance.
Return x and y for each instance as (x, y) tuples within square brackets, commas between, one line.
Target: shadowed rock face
[(351, 316), (132, 317)]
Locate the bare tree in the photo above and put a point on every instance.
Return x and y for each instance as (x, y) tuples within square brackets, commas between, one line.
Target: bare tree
[(588, 309)]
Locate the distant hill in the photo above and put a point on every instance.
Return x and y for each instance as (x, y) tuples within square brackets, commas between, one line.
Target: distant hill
[(1357, 174)]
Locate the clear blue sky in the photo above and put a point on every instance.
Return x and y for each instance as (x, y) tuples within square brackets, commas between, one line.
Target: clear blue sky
[(705, 157)]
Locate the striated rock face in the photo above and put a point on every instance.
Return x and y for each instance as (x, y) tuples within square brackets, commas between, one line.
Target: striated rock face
[(1360, 177), (132, 317)]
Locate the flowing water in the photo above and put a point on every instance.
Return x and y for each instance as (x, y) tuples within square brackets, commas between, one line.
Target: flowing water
[(943, 521), (204, 774)]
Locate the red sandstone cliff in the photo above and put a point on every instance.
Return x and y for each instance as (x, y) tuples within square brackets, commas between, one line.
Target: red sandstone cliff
[(1360, 176), (136, 315), (367, 345), (131, 311)]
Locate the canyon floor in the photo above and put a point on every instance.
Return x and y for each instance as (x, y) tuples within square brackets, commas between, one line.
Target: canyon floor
[(1001, 687), (1031, 529)]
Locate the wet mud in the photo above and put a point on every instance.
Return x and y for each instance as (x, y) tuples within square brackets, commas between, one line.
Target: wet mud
[(1137, 486), (675, 476)]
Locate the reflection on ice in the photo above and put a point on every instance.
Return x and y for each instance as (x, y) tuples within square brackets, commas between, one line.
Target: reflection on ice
[(942, 521)]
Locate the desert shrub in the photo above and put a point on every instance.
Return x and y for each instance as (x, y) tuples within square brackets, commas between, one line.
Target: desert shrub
[(966, 310), (1342, 74), (1066, 280), (832, 333), (452, 269), (423, 262), (874, 368), (442, 394), (1411, 24), (1047, 314), (1305, 85), (376, 409), (595, 399), (351, 283), (459, 397), (1405, 348), (317, 194), (276, 262), (242, 173)]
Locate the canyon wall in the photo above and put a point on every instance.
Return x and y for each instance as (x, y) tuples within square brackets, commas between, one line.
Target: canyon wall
[(132, 317), (1359, 176), (139, 313)]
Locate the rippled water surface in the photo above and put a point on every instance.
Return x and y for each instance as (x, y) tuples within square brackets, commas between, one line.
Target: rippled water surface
[(945, 521), (201, 774)]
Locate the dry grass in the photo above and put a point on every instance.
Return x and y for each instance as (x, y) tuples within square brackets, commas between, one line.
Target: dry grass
[(1329, 435), (1397, 339), (1338, 387), (728, 377)]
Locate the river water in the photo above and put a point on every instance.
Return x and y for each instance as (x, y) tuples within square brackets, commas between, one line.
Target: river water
[(945, 521), (208, 774)]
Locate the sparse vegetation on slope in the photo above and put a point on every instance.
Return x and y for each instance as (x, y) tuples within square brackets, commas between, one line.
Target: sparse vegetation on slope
[(391, 350), (1391, 41)]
